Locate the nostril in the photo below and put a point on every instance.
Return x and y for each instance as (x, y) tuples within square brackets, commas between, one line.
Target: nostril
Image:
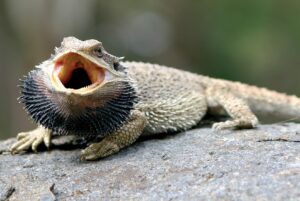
[(116, 66)]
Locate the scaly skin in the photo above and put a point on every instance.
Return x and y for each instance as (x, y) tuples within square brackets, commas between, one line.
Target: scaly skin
[(128, 99)]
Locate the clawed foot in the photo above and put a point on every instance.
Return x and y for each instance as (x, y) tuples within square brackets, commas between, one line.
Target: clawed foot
[(234, 124), (31, 139), (99, 150)]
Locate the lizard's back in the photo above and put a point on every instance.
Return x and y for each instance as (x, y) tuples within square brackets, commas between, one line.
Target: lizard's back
[(171, 99)]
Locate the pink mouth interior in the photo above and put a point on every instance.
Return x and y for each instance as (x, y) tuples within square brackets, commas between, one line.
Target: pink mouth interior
[(75, 72)]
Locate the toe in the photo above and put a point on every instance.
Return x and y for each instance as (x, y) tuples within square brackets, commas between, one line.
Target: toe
[(47, 139), (217, 126), (88, 157), (21, 136), (36, 143), (26, 145), (99, 150), (15, 147)]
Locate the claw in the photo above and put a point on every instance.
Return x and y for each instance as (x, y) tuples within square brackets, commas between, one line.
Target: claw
[(99, 150), (233, 124), (26, 145), (31, 139), (47, 139), (36, 143)]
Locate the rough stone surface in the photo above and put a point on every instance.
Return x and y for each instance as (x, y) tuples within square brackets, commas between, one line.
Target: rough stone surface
[(258, 164)]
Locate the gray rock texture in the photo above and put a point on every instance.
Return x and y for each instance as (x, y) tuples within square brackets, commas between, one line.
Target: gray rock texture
[(201, 164)]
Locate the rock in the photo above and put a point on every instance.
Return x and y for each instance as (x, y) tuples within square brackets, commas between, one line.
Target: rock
[(201, 164)]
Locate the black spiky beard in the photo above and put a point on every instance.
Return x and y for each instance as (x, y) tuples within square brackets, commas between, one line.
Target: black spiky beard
[(51, 110)]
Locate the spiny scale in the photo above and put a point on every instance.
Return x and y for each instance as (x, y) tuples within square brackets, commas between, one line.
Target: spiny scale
[(42, 106)]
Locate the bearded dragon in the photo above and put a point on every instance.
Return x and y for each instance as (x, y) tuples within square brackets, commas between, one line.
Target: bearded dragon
[(85, 91)]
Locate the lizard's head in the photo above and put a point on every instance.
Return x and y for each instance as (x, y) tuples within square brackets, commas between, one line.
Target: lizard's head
[(81, 67), (81, 89)]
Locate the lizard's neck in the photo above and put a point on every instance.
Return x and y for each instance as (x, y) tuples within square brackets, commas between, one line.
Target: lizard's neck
[(96, 115)]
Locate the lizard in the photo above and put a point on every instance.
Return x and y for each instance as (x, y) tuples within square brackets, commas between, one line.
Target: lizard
[(83, 90)]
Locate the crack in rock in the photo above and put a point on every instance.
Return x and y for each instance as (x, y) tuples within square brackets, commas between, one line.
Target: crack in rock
[(8, 193)]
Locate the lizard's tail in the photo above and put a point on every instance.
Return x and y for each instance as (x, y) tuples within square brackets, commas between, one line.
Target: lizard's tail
[(267, 102)]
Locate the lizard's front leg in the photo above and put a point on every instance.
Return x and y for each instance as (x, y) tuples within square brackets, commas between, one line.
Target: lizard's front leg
[(31, 139), (123, 137), (237, 109)]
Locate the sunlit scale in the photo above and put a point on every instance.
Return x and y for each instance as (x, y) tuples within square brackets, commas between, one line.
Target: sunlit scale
[(66, 66)]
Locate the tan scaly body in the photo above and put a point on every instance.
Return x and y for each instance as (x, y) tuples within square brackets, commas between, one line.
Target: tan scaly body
[(121, 101)]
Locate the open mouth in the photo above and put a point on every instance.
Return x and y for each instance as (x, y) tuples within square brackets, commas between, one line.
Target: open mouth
[(74, 71)]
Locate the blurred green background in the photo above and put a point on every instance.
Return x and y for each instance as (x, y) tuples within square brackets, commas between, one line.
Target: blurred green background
[(256, 41)]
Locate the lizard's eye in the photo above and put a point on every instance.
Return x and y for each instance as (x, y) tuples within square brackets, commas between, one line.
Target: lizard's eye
[(98, 51)]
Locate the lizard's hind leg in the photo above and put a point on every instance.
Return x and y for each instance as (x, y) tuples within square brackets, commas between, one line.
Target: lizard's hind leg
[(236, 108)]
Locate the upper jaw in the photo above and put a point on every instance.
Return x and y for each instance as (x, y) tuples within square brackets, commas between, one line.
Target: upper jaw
[(76, 72)]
